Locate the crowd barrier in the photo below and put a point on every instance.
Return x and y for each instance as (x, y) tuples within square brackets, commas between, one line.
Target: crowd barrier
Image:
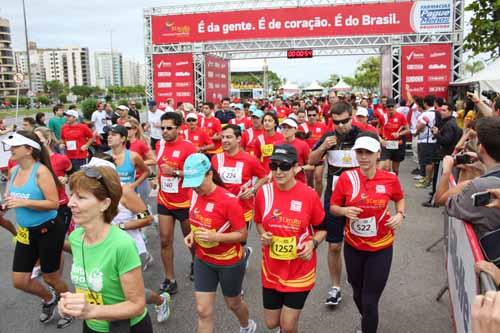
[(462, 252)]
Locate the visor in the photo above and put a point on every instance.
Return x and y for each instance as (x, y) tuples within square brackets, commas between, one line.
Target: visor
[(368, 143), (16, 140)]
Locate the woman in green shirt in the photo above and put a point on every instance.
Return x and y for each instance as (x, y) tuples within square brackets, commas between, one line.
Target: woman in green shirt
[(106, 268)]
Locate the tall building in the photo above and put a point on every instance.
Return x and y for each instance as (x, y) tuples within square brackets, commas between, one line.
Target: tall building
[(7, 84), (133, 73), (108, 69), (68, 65)]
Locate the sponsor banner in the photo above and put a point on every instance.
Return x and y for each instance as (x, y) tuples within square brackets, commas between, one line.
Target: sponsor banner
[(216, 78), (310, 21), (426, 69), (173, 78)]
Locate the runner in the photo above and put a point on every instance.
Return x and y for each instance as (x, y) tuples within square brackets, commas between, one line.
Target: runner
[(336, 145), (106, 268), (127, 162), (263, 144), (173, 201), (154, 121), (58, 120), (254, 131), (241, 119), (217, 230), (32, 193), (393, 131), (196, 135), (286, 212), (76, 139), (362, 196), (289, 128), (211, 126)]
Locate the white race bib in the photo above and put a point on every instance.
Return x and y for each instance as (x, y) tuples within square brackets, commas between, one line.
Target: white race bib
[(342, 158), (71, 145), (335, 179), (232, 175), (366, 227), (392, 144), (170, 184)]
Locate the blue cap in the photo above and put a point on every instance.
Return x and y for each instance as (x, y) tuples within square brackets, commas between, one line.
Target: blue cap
[(238, 106), (195, 168), (151, 103), (258, 113), (252, 108)]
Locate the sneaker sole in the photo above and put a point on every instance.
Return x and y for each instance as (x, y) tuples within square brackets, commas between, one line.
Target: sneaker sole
[(48, 320), (65, 325), (334, 303)]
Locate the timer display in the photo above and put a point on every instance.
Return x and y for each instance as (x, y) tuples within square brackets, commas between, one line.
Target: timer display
[(294, 54)]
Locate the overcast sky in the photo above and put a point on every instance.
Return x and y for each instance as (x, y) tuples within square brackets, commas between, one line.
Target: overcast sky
[(60, 23)]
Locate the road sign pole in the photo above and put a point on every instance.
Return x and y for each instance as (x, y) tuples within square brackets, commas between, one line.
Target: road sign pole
[(17, 103)]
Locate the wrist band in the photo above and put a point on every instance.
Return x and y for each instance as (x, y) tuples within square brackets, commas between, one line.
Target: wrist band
[(143, 214)]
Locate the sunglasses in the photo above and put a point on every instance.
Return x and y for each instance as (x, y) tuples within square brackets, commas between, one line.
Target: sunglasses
[(168, 128), (191, 120), (343, 121), (312, 115), (94, 173), (283, 166)]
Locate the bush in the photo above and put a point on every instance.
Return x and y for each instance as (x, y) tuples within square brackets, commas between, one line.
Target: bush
[(138, 105), (88, 106), (63, 98), (123, 101), (44, 100)]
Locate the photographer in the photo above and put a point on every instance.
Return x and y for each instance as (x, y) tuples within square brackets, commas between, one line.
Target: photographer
[(458, 199), (482, 108)]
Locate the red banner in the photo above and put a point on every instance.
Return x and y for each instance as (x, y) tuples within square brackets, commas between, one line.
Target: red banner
[(313, 21), (173, 78), (426, 69), (216, 78)]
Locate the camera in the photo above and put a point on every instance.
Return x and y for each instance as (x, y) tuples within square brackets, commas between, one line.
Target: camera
[(470, 89), (489, 94), (463, 159), (480, 199)]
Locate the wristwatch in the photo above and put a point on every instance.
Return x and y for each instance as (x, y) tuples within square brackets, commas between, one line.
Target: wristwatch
[(177, 173), (121, 226)]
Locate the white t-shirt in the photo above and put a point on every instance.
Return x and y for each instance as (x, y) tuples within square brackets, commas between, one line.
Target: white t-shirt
[(403, 109), (414, 118), (428, 117), (99, 120), (154, 120), (169, 109)]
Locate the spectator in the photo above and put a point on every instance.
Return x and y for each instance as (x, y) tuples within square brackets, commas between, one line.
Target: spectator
[(489, 268), (486, 313), (226, 113), (40, 119), (427, 147), (133, 112), (154, 122), (57, 121), (29, 124), (458, 199)]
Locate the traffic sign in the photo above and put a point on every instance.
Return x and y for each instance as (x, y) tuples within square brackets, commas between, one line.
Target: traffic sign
[(18, 78), (30, 93)]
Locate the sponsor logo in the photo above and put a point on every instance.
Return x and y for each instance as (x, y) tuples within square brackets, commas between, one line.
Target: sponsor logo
[(415, 67), (183, 94), (434, 15), (209, 207), (296, 206), (164, 84), (182, 74), (437, 54), (414, 55), (438, 78), (176, 153), (167, 94), (438, 66), (182, 63), (380, 188), (182, 84), (164, 64), (173, 29), (415, 79), (437, 89), (164, 74), (417, 89)]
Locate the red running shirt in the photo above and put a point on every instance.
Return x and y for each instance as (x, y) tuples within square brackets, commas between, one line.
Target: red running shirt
[(248, 136), (289, 216), (197, 136), (140, 147), (211, 126), (263, 146), (369, 232), (75, 136), (60, 163), (392, 124), (219, 211), (171, 194), (236, 171)]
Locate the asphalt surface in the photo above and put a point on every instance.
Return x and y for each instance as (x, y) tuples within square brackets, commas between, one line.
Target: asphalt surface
[(407, 305)]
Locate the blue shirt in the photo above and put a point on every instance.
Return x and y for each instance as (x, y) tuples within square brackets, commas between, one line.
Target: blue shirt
[(126, 171)]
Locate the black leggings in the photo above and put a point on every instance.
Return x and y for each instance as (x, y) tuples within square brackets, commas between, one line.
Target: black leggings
[(367, 273), (144, 326)]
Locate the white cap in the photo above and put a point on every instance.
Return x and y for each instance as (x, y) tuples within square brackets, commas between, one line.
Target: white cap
[(99, 162), (72, 113), (122, 107), (290, 122), (188, 107), (361, 111), (15, 140), (192, 115), (368, 143)]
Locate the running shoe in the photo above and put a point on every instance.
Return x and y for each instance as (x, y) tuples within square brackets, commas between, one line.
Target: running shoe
[(252, 327), (418, 177), (36, 272), (191, 272), (248, 254), (423, 183), (334, 296), (415, 171), (49, 309), (163, 310), (147, 261), (169, 287), (64, 322)]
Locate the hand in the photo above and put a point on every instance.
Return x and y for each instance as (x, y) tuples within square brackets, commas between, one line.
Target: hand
[(167, 170), (62, 146), (495, 196), (11, 202), (473, 96), (329, 142), (205, 235), (394, 222), (486, 313), (63, 180), (488, 267), (434, 130), (305, 250), (246, 193), (351, 212), (407, 87), (84, 148), (448, 163), (74, 305), (189, 240), (266, 238), (396, 135)]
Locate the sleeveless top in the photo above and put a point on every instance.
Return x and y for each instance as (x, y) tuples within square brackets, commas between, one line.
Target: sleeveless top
[(125, 215), (126, 171)]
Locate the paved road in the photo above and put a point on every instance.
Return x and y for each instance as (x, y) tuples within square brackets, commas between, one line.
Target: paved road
[(407, 304)]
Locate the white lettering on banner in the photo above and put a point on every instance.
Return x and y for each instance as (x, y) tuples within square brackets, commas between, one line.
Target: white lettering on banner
[(168, 94), (461, 276), (164, 74), (164, 84), (164, 64), (415, 67), (415, 55), (438, 89), (438, 54), (210, 74), (417, 89), (182, 63), (414, 79), (183, 94), (182, 74), (383, 20), (438, 78), (438, 66), (182, 84)]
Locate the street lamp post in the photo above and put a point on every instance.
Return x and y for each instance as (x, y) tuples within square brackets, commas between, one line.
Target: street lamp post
[(27, 53)]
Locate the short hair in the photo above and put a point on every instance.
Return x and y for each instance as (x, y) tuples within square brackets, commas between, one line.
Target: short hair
[(272, 115), (419, 101), (72, 107), (209, 104), (369, 134), (246, 105), (340, 107), (174, 116), (301, 110), (236, 129), (429, 100), (402, 102), (488, 135), (440, 101), (109, 188), (30, 120), (57, 107), (227, 99)]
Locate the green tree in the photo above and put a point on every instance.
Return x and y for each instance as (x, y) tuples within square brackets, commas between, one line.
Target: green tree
[(44, 100), (88, 106), (485, 27), (367, 75), (63, 97), (53, 88), (257, 78), (474, 67), (83, 91), (332, 80)]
